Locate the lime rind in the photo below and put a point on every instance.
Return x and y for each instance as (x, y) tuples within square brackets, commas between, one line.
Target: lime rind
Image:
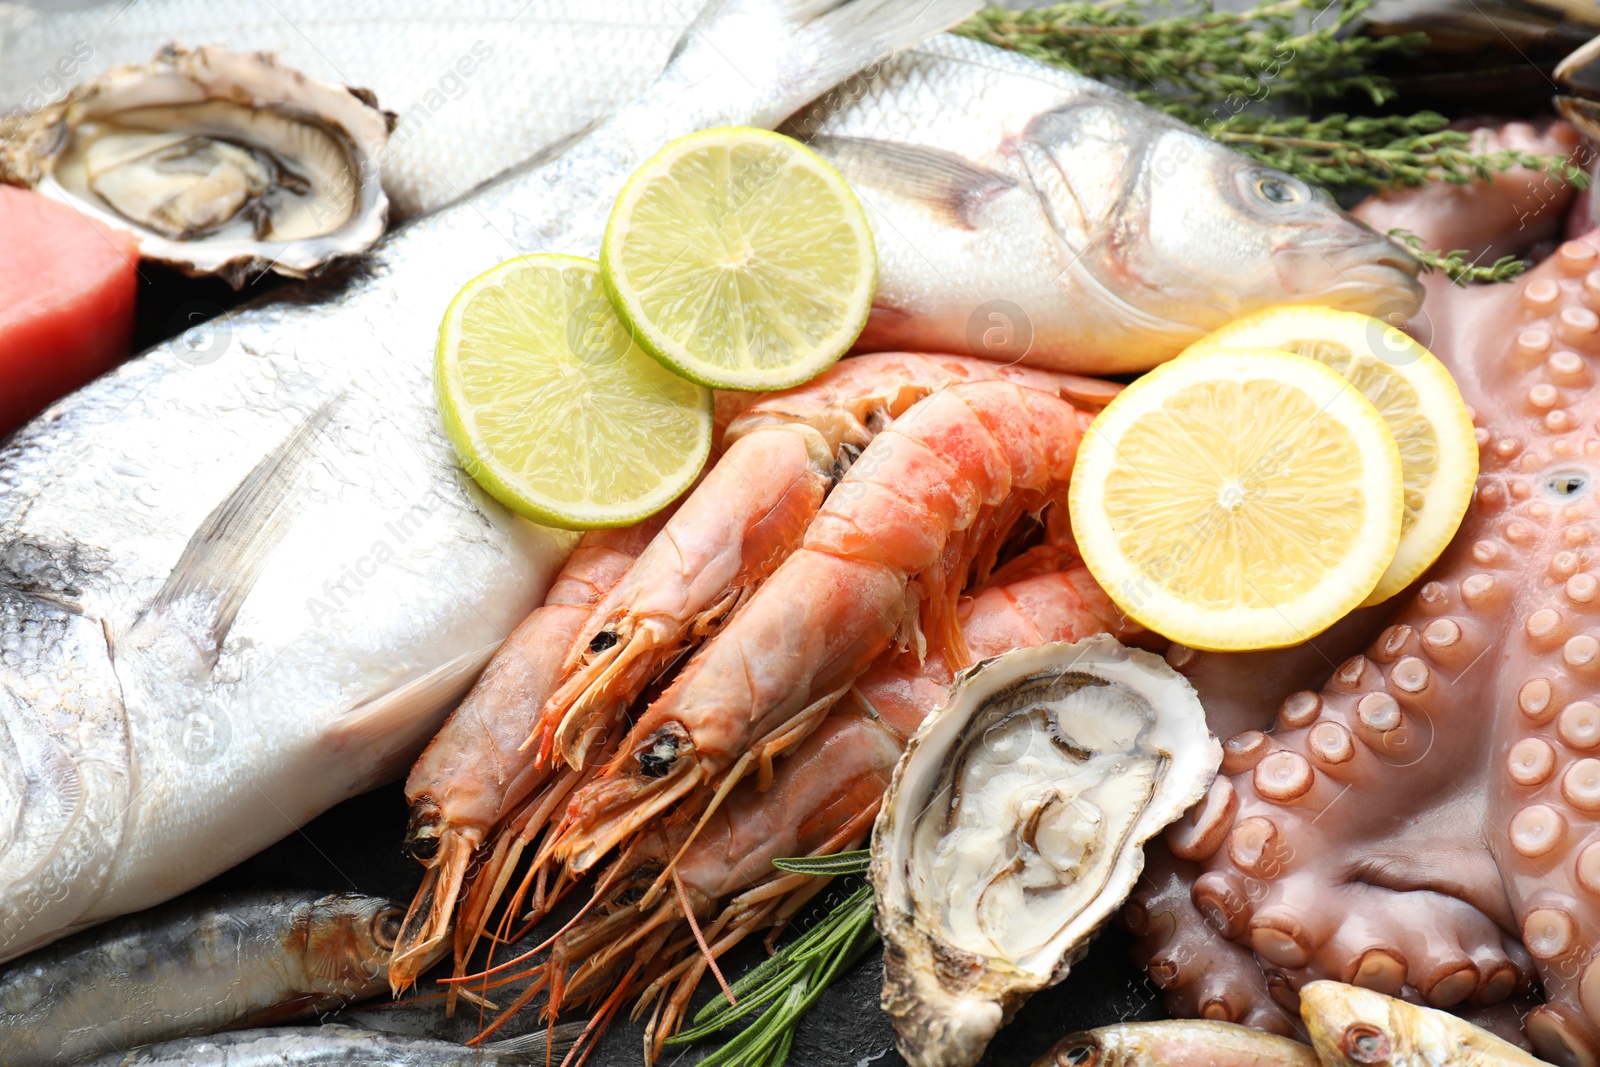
[(553, 409), (790, 309), (1143, 590)]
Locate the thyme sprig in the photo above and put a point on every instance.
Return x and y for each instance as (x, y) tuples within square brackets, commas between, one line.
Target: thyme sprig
[(783, 987), (1456, 266), (1210, 68)]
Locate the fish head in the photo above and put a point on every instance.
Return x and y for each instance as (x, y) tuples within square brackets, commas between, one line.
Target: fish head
[(1187, 235), (1087, 1048), (1355, 1027), (350, 940)]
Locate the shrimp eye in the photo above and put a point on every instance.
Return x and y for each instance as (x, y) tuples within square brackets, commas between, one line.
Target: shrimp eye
[(1084, 1052), (601, 641), (1365, 1043), (1277, 191), (386, 927)]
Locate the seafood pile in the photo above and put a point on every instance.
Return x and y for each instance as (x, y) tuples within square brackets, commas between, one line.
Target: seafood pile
[(235, 592)]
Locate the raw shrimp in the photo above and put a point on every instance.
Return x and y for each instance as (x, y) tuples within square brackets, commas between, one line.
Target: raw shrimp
[(782, 455), (823, 799), (929, 501), (474, 771)]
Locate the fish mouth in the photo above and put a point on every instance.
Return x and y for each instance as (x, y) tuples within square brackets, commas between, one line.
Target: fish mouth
[(1374, 276)]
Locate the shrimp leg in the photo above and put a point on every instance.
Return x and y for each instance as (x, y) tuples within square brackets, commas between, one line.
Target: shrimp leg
[(781, 456), (929, 500), (474, 772)]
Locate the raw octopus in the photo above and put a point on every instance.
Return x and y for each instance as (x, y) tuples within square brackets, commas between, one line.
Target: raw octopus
[(1428, 823)]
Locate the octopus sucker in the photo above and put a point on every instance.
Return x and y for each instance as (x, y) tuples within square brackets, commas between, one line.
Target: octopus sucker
[(1424, 824)]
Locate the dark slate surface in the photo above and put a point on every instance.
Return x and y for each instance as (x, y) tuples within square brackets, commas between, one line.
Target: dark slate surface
[(355, 847)]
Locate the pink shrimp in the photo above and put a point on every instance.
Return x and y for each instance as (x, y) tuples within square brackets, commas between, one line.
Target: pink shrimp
[(824, 797), (474, 772), (928, 501), (782, 453)]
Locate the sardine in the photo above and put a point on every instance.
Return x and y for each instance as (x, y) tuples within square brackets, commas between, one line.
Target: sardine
[(240, 584), (1021, 212), (1354, 1027), (339, 1046), (195, 967), (1177, 1043)]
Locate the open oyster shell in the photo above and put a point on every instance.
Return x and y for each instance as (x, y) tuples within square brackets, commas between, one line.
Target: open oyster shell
[(220, 162), (1014, 827)]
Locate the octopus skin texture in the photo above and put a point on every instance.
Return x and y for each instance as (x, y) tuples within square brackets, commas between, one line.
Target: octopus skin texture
[(1427, 824)]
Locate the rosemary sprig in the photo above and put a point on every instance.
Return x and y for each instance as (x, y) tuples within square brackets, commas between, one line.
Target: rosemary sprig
[(1456, 266), (839, 863), (784, 986)]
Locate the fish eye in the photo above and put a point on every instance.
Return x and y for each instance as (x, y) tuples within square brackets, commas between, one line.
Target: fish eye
[(1084, 1052), (1365, 1043), (1277, 191), (386, 927)]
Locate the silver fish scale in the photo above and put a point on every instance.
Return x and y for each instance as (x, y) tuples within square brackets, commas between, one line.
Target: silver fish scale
[(480, 85)]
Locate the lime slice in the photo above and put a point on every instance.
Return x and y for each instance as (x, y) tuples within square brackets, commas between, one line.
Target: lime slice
[(1416, 397), (740, 259), (1237, 499), (552, 407)]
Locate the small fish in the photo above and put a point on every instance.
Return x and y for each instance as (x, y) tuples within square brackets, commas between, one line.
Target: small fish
[(341, 1046), (195, 968), (1355, 1027), (1177, 1043)]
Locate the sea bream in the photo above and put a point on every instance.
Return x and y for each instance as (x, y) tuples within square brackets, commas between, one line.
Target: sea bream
[(241, 584), (1021, 212)]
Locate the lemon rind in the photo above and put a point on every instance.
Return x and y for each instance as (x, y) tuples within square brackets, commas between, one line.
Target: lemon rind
[(1339, 591)]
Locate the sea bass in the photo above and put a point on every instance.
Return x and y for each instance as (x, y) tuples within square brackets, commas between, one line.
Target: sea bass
[(195, 967), (1021, 212), (240, 585)]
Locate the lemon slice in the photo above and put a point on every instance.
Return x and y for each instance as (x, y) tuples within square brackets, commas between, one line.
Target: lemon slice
[(552, 407), (1237, 499), (1416, 397), (740, 259)]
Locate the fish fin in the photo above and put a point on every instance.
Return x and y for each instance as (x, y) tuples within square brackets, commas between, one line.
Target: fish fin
[(951, 186), (388, 723), (225, 556), (530, 1047)]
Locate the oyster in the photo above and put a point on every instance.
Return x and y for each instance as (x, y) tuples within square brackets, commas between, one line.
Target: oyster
[(1014, 826), (220, 162)]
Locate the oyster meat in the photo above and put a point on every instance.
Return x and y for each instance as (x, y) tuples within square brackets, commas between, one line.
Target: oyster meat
[(1014, 827), (220, 162)]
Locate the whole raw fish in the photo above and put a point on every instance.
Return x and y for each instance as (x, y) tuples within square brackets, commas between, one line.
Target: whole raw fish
[(339, 1046), (1021, 212), (195, 967), (1355, 1027), (240, 584), (1177, 1043)]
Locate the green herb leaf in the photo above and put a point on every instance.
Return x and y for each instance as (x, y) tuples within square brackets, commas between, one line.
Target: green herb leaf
[(1456, 266), (838, 863)]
